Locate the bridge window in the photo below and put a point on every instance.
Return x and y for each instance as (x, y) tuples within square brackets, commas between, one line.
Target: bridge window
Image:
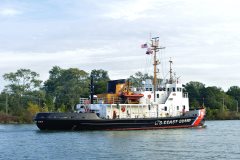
[(179, 89), (184, 107), (157, 95), (173, 89), (178, 108)]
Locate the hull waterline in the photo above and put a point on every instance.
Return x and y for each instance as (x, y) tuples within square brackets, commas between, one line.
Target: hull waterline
[(118, 124)]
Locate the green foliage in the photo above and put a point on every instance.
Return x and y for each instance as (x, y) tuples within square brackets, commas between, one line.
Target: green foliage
[(24, 97), (23, 87), (234, 91), (65, 87), (195, 91), (22, 81), (2, 102), (32, 110), (100, 78), (62, 108), (220, 105), (219, 114), (137, 79), (214, 97)]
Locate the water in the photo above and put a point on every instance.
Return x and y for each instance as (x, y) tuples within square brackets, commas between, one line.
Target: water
[(220, 140)]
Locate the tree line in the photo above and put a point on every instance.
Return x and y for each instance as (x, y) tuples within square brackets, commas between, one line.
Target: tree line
[(219, 104), (25, 94)]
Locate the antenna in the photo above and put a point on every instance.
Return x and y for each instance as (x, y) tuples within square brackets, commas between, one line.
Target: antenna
[(178, 79), (171, 76)]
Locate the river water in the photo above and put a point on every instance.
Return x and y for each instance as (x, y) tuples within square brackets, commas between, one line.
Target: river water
[(220, 140)]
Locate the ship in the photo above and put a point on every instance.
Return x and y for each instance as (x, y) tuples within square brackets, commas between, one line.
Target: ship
[(153, 105)]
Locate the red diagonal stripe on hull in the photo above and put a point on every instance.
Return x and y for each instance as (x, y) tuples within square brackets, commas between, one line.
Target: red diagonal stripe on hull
[(199, 118)]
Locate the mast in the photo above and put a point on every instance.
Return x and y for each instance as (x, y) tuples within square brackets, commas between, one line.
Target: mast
[(171, 76), (91, 90), (155, 48)]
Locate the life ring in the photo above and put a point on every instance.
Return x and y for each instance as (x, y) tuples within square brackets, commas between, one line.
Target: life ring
[(149, 96), (123, 109)]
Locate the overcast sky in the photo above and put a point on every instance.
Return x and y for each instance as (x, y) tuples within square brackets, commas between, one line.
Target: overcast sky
[(201, 36)]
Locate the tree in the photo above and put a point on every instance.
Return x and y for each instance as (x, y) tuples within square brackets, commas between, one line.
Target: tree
[(213, 97), (100, 80), (22, 84), (22, 81), (50, 87), (234, 91), (195, 90), (137, 79), (65, 86)]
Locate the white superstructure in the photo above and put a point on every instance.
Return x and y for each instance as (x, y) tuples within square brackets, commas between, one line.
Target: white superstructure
[(170, 101), (150, 101)]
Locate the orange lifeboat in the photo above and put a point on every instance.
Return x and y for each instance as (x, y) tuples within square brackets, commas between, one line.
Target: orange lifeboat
[(133, 96)]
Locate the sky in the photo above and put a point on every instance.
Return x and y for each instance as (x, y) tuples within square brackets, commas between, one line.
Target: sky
[(202, 37)]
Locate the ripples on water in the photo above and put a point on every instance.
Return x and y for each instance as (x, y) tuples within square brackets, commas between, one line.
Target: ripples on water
[(220, 140)]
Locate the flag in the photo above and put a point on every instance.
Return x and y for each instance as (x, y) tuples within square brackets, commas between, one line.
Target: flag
[(149, 51), (144, 45)]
